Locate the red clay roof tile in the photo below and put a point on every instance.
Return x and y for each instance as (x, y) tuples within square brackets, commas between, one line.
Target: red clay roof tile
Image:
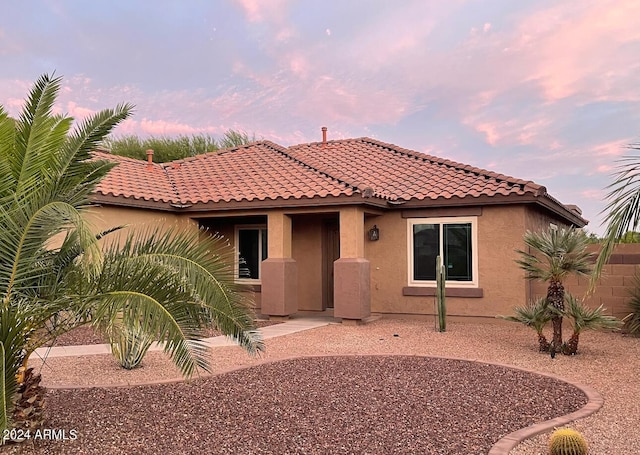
[(396, 173), (266, 171)]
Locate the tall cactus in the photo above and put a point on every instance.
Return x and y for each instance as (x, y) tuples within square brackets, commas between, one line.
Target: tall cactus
[(440, 295)]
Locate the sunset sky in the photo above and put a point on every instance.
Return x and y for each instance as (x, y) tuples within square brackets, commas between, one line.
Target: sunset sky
[(542, 90)]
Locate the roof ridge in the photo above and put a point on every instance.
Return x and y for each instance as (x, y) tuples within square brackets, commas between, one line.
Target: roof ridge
[(529, 184), (285, 151)]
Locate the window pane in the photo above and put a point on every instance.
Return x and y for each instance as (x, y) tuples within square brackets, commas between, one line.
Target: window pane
[(426, 247), (457, 251), (263, 234), (248, 241)]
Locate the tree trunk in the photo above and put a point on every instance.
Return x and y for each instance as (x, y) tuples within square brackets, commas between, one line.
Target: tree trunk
[(572, 344), (28, 413), (555, 298), (543, 344)]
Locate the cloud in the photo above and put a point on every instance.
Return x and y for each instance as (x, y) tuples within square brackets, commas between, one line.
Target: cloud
[(260, 11), (576, 49)]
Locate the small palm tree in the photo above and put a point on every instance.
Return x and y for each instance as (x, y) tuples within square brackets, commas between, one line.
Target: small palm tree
[(55, 275), (535, 315), (585, 318), (553, 255)]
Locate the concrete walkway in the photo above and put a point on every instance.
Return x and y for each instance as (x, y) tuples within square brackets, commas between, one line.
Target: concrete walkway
[(297, 324)]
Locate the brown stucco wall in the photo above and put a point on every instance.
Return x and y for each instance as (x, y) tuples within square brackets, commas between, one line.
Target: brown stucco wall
[(307, 252), (500, 230), (105, 217)]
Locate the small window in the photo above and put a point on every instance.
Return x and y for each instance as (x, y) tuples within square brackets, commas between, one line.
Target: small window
[(251, 244), (453, 239)]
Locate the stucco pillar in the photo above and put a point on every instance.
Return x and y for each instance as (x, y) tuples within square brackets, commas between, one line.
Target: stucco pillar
[(279, 271), (352, 274)]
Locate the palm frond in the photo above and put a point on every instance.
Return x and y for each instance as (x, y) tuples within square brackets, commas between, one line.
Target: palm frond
[(14, 327), (180, 338), (632, 320), (622, 210), (206, 263), (555, 254), (26, 234), (585, 318), (535, 314)]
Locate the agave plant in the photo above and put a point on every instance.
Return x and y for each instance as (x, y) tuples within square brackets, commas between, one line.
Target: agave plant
[(55, 275), (585, 318), (536, 315)]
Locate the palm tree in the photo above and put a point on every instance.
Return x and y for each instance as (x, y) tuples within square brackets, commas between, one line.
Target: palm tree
[(585, 318), (57, 274), (535, 315), (553, 255), (623, 209)]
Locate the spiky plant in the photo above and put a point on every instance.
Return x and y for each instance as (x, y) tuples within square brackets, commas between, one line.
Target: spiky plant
[(554, 255), (584, 318), (566, 441), (632, 320), (177, 283), (536, 315)]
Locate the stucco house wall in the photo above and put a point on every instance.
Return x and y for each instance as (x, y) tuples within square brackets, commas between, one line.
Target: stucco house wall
[(501, 283), (318, 201)]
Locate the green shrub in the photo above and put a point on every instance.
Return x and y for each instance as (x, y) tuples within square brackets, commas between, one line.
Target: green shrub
[(130, 346), (632, 321)]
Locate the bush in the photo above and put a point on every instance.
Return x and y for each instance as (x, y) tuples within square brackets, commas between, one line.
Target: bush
[(632, 321)]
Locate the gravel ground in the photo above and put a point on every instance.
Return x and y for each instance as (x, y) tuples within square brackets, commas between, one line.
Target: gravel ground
[(402, 404)]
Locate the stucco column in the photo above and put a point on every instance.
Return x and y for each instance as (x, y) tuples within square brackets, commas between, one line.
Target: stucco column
[(352, 275), (279, 271)]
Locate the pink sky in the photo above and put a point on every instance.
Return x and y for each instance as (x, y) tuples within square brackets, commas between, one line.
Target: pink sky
[(541, 90)]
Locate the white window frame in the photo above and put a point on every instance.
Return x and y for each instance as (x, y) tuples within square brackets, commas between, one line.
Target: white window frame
[(473, 220), (238, 228)]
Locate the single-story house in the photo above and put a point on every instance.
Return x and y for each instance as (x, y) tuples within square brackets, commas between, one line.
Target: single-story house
[(354, 224)]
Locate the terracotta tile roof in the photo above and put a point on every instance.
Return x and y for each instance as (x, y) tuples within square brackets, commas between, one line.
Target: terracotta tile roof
[(395, 173), (364, 167), (257, 171), (136, 179)]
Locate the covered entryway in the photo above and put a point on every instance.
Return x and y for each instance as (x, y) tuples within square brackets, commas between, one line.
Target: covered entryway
[(330, 254)]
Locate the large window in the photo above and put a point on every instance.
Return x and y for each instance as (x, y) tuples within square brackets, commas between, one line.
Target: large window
[(251, 245), (453, 239)]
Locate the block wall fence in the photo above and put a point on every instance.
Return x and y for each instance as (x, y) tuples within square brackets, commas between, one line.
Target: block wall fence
[(614, 286)]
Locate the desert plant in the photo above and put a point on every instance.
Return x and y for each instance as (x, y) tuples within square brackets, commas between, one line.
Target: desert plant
[(536, 315), (553, 255), (632, 320), (441, 295), (622, 210), (55, 276), (130, 345), (584, 318), (566, 441)]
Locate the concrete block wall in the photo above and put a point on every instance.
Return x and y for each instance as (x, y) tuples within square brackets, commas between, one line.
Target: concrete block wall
[(614, 286)]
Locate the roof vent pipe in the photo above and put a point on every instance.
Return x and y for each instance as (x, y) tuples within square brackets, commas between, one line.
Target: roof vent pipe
[(149, 158), (324, 134)]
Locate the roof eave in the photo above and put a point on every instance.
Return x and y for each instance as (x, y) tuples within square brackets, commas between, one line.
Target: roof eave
[(130, 202), (541, 199)]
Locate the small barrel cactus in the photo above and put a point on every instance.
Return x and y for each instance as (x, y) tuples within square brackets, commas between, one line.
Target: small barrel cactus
[(566, 441)]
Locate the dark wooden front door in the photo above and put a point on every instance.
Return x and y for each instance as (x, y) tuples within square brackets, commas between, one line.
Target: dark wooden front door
[(330, 252)]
